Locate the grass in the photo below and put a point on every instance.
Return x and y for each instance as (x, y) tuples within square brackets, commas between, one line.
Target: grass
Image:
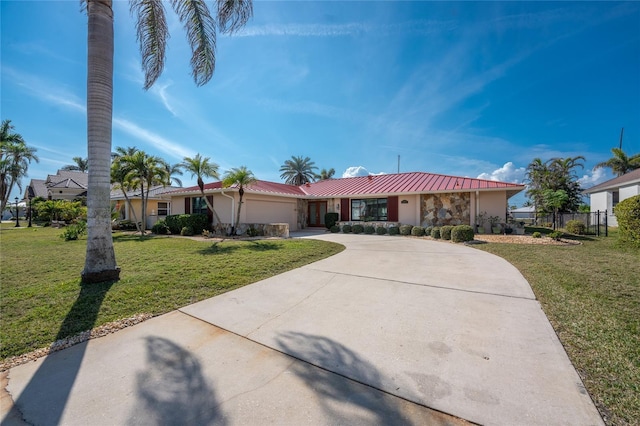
[(591, 295), (42, 300)]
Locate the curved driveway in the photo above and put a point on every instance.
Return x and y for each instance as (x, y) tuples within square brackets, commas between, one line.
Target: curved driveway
[(381, 333)]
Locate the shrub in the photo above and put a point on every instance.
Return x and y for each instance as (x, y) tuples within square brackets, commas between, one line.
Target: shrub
[(536, 235), (394, 230), (160, 228), (555, 235), (427, 230), (358, 229), (73, 232), (381, 230), (330, 219), (334, 229), (347, 229), (417, 231), (435, 233), (252, 232), (368, 229), (198, 222), (405, 229), (187, 231), (576, 227), (628, 215), (445, 232), (126, 225), (462, 233)]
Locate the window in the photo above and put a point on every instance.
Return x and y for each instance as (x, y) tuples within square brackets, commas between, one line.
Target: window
[(198, 205), (369, 209), (163, 209)]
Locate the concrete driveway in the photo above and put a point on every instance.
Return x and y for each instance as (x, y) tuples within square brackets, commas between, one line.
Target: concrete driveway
[(391, 331)]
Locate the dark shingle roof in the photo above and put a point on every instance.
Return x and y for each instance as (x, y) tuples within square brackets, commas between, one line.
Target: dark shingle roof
[(627, 178)]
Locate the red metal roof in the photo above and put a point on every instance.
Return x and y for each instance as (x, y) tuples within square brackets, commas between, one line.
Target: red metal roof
[(390, 184), (402, 183)]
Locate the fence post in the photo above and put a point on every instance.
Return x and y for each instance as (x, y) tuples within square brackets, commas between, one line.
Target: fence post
[(606, 224), (598, 223)]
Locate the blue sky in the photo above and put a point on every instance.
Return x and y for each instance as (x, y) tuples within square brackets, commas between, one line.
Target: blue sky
[(473, 89)]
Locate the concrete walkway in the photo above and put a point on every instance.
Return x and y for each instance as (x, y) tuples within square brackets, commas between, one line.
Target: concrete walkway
[(391, 331)]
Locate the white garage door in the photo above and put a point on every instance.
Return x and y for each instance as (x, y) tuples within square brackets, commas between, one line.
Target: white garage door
[(259, 211)]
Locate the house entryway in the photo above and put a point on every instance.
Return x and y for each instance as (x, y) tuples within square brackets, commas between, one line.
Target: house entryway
[(317, 210)]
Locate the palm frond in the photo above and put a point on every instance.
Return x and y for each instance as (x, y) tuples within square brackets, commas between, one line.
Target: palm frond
[(233, 14), (152, 35), (201, 35)]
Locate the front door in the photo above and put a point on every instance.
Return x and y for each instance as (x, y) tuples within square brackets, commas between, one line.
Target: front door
[(317, 210)]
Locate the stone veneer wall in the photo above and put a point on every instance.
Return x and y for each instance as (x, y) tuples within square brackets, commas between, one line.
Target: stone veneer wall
[(303, 208), (445, 209), (280, 230)]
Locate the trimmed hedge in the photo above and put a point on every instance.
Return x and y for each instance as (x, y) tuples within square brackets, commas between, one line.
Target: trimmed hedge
[(347, 229), (334, 229), (462, 233), (417, 231), (435, 233), (405, 229), (358, 229), (445, 232), (576, 227), (394, 230), (368, 229), (381, 230), (330, 219), (160, 228), (628, 215), (197, 222)]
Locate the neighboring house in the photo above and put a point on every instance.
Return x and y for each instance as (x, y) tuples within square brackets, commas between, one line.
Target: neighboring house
[(527, 212), (607, 195), (415, 198), (64, 185), (158, 204)]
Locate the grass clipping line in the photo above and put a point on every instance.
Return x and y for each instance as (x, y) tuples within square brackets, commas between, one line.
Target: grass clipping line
[(61, 344)]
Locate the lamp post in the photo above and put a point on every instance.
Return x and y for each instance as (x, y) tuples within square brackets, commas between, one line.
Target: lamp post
[(30, 212), (17, 214)]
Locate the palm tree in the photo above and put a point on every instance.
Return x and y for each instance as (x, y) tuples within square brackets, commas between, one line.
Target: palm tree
[(171, 170), (620, 163), (121, 179), (201, 167), (298, 171), (82, 165), (15, 157), (240, 177), (152, 32), (145, 171), (326, 174)]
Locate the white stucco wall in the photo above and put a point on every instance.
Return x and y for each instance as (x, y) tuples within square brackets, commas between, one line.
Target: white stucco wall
[(409, 213), (260, 209), (494, 203), (629, 191)]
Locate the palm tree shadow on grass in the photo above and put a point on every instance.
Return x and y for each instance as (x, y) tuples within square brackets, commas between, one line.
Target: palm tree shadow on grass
[(48, 390), (224, 248)]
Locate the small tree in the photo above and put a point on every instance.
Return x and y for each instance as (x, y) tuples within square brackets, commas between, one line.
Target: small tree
[(628, 216), (240, 177), (554, 200)]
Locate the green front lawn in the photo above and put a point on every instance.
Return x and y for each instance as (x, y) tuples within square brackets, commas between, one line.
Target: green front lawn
[(591, 295), (41, 299)]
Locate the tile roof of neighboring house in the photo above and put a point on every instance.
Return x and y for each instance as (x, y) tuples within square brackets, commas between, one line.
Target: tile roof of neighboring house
[(401, 183), (80, 178), (154, 192), (627, 178)]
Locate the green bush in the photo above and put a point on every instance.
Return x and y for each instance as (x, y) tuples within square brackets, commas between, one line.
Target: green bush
[(126, 225), (368, 229), (187, 231), (462, 233), (417, 231), (394, 230), (405, 229), (536, 235), (427, 230), (252, 232), (628, 215), (381, 230), (334, 229), (576, 227), (347, 229), (555, 235), (160, 228), (330, 219), (358, 229), (445, 232), (73, 232), (198, 222), (435, 233)]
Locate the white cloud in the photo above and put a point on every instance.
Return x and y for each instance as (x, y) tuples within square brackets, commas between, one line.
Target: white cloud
[(594, 178), (355, 171), (507, 173), (164, 145)]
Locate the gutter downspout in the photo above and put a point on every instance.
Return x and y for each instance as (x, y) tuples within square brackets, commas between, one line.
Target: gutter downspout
[(233, 208)]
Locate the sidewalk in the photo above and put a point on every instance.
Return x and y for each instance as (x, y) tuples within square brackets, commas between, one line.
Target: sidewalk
[(390, 331)]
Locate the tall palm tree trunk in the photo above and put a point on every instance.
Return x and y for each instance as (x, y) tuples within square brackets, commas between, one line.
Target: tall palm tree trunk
[(100, 263)]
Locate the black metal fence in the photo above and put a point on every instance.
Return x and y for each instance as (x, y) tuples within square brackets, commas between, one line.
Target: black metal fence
[(596, 223)]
